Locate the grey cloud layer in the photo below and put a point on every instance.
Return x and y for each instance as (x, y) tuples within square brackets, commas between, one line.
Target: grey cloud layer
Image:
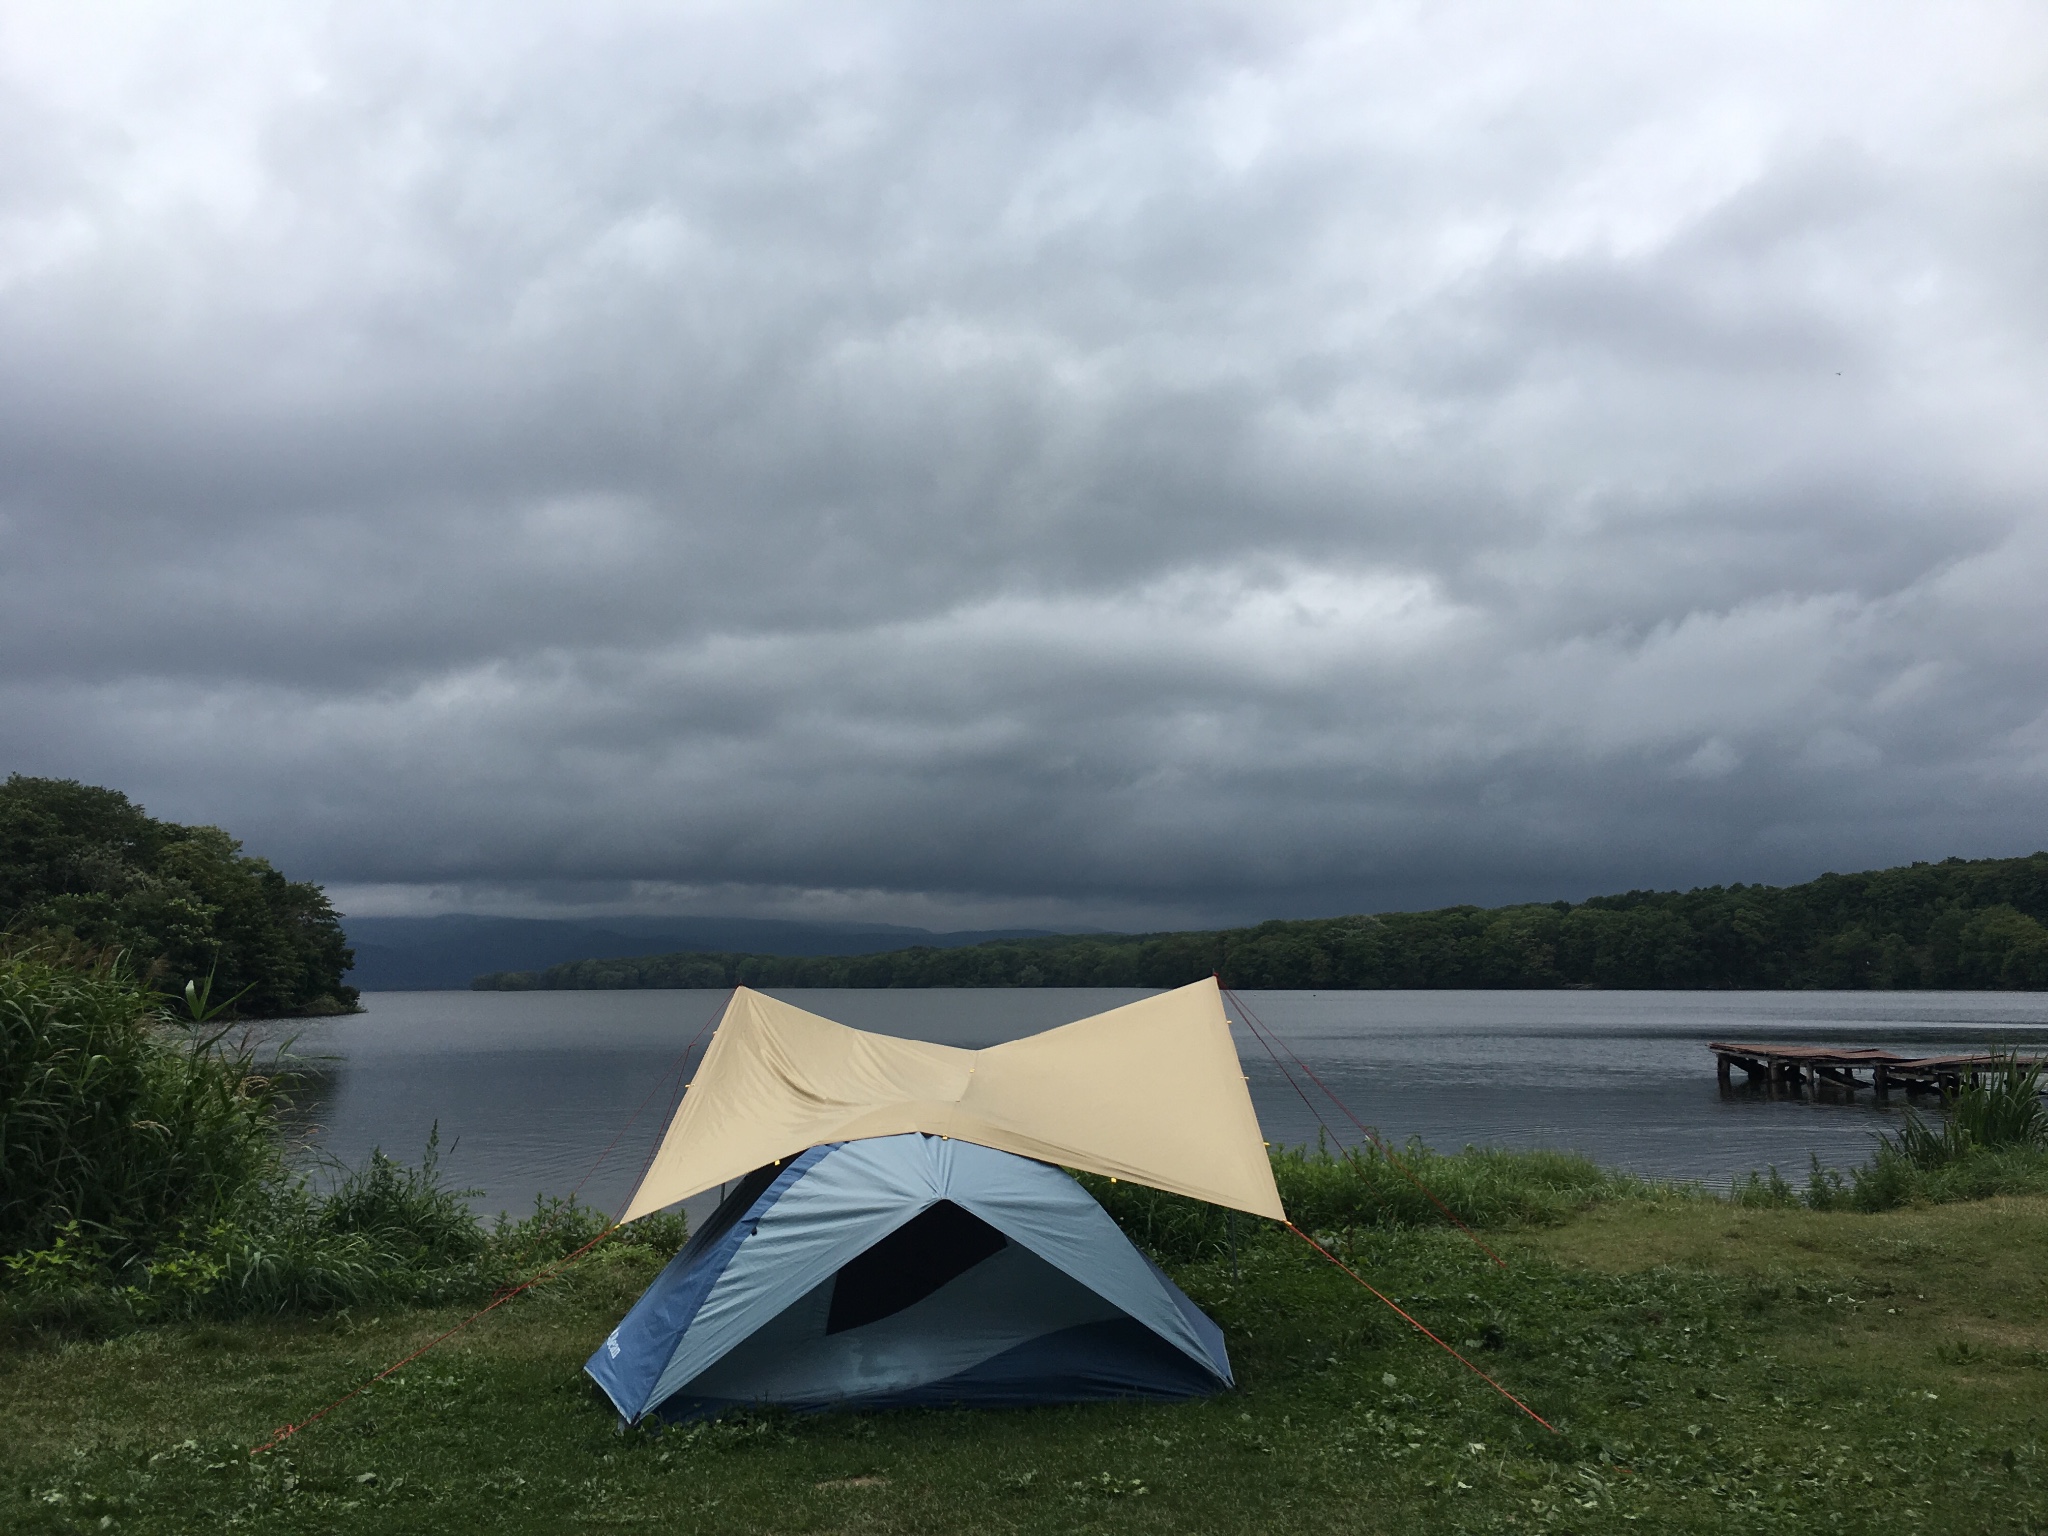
[(1202, 461)]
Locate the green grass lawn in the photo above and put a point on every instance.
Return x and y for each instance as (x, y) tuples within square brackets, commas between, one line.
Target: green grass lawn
[(1711, 1368)]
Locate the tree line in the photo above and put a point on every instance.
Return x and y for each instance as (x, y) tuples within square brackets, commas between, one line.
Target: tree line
[(86, 868), (1965, 924)]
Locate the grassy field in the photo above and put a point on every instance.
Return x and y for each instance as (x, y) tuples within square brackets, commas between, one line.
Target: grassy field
[(1711, 1368)]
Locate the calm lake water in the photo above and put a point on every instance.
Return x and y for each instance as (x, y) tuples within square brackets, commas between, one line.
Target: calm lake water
[(529, 1089)]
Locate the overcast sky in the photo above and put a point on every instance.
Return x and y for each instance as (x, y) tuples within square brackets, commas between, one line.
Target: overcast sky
[(971, 464)]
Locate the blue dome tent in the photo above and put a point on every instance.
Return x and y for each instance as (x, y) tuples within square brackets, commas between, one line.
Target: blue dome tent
[(900, 1245), (907, 1270)]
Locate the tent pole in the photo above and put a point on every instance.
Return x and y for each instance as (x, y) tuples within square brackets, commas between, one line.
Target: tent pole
[(1233, 1245)]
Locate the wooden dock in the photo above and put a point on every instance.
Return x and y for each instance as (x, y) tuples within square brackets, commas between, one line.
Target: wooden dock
[(1792, 1066)]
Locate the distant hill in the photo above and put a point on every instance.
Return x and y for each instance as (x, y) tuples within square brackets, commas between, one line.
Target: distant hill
[(1965, 924), (396, 954)]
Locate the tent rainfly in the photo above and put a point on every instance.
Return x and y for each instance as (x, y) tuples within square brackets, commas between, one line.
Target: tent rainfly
[(902, 1232)]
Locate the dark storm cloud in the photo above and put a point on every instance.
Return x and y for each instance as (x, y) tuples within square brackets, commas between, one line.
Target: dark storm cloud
[(928, 461)]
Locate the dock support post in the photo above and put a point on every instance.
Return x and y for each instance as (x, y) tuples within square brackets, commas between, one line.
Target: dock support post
[(1721, 1071)]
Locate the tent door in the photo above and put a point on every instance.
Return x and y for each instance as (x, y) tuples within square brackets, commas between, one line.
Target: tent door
[(937, 1246)]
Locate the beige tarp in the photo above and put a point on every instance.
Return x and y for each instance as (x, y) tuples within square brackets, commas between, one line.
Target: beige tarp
[(1151, 1092)]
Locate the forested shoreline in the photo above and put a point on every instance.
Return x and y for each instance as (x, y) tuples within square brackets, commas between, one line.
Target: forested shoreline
[(87, 872), (1962, 924)]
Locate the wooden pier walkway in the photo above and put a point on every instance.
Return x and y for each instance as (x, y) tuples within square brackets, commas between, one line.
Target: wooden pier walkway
[(1815, 1065)]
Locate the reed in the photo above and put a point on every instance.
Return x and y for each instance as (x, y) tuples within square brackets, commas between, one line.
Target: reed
[(2000, 1108), (118, 1123), (1992, 1139)]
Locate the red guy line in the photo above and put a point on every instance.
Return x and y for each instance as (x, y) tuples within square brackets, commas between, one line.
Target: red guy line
[(1367, 1131), (285, 1432), (1412, 1323)]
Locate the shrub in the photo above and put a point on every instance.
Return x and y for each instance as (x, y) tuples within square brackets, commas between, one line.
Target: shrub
[(1825, 1189), (406, 1209), (559, 1227)]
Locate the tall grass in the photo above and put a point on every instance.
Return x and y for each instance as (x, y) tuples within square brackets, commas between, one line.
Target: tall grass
[(142, 1176), (1992, 1139), (408, 1209), (115, 1122), (1372, 1186), (1993, 1110)]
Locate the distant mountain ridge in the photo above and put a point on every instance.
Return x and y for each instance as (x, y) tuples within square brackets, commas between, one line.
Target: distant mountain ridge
[(1962, 924), (448, 951)]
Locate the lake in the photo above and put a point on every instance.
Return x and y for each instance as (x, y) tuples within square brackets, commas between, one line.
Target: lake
[(530, 1088)]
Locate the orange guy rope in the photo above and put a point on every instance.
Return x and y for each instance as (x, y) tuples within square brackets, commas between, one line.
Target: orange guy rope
[(1299, 1092), (1259, 1030), (285, 1432), (1412, 1323)]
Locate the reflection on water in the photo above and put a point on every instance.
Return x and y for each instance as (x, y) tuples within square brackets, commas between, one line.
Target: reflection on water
[(529, 1089)]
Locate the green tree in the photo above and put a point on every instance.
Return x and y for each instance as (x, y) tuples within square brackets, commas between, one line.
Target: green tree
[(184, 903), (2002, 947)]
